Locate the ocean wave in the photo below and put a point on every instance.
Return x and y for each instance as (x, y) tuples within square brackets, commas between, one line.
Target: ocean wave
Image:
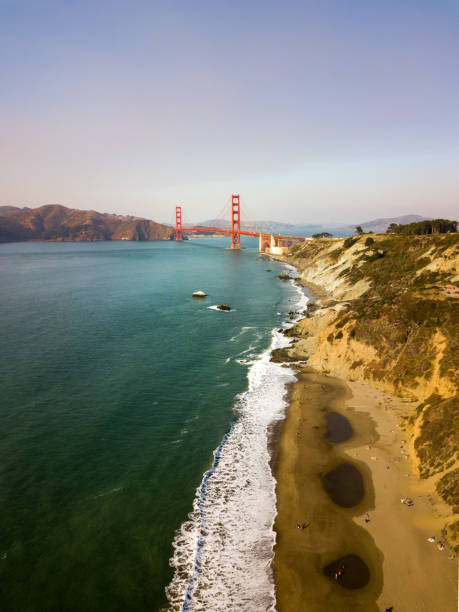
[(251, 348), (241, 332), (105, 493), (223, 553)]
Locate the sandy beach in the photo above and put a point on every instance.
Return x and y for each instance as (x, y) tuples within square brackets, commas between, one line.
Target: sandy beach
[(380, 545)]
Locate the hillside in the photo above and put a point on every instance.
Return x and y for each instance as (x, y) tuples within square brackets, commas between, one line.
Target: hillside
[(381, 225), (385, 318), (56, 222)]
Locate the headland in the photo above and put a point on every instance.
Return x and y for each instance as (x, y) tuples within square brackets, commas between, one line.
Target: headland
[(57, 223), (367, 459)]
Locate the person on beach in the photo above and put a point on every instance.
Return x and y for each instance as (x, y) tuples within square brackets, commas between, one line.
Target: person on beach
[(339, 573)]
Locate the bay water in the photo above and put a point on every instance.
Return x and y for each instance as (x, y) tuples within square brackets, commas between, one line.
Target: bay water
[(133, 420)]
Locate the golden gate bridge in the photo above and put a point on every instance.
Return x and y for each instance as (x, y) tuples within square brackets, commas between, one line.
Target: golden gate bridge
[(274, 244)]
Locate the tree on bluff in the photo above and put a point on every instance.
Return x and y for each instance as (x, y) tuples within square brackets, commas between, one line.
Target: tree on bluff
[(435, 226), (322, 235)]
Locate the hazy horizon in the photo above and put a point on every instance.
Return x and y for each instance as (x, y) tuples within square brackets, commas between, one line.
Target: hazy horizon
[(165, 221), (313, 112)]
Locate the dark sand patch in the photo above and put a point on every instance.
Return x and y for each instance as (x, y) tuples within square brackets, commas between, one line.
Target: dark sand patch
[(344, 485), (349, 572), (338, 428)]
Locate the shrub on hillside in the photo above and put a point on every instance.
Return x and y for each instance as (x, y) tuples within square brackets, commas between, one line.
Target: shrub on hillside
[(349, 242)]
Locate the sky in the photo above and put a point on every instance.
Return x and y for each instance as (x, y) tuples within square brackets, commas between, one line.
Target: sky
[(313, 110)]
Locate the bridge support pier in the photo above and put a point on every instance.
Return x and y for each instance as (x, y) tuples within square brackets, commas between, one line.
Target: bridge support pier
[(235, 222), (178, 223), (264, 243), (273, 244)]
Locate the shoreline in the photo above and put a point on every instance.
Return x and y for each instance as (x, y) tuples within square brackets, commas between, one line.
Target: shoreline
[(405, 570), (274, 432), (234, 507)]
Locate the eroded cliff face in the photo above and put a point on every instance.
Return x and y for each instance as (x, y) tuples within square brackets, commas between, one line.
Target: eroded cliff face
[(56, 222), (384, 318)]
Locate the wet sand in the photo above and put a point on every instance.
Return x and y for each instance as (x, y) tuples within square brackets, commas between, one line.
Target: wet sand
[(344, 485), (370, 552), (338, 428)]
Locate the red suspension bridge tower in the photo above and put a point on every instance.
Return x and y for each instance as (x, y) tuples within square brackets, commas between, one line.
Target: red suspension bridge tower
[(178, 223), (235, 222)]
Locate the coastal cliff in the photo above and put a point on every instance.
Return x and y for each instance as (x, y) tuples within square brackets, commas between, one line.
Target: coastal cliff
[(56, 222), (385, 318)]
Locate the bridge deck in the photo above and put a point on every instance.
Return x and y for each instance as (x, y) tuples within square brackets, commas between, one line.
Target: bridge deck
[(219, 230)]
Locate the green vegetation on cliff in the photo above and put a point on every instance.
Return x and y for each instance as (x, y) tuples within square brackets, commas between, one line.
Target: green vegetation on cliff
[(434, 226), (437, 443), (405, 307)]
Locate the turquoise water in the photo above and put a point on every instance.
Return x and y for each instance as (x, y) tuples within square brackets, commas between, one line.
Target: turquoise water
[(117, 387)]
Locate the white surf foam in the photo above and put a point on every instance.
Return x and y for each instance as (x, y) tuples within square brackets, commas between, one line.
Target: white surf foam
[(223, 552), (244, 361), (251, 348), (215, 307)]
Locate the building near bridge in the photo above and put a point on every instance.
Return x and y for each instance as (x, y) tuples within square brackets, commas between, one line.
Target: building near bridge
[(275, 245)]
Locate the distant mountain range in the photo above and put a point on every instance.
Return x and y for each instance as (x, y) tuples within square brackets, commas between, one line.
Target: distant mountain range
[(381, 225), (56, 222), (274, 227), (375, 225), (251, 226)]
